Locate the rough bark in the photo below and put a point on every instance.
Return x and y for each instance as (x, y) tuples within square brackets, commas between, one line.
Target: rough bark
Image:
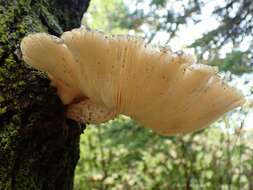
[(39, 147)]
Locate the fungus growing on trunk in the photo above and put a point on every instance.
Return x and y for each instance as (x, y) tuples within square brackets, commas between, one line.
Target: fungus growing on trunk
[(99, 77)]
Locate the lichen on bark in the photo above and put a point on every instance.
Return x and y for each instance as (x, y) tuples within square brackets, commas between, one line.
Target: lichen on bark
[(39, 147)]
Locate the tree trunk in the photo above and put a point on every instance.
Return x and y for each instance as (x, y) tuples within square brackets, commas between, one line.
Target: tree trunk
[(39, 147)]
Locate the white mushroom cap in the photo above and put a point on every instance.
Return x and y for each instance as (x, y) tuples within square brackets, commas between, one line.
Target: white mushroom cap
[(166, 92), (48, 53)]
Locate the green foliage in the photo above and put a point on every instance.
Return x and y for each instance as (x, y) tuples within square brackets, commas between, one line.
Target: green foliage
[(167, 16), (122, 155), (235, 25), (118, 16), (236, 22), (237, 62), (159, 2), (106, 16)]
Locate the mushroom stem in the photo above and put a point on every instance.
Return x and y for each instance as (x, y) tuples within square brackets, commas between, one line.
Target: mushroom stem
[(86, 111)]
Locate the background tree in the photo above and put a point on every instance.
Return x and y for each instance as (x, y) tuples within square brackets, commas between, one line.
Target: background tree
[(166, 18), (39, 148)]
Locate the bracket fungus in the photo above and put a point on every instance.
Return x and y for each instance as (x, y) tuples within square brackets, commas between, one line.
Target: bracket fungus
[(99, 77)]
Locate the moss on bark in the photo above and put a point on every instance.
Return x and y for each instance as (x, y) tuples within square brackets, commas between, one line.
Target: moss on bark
[(39, 148)]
